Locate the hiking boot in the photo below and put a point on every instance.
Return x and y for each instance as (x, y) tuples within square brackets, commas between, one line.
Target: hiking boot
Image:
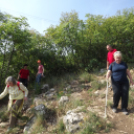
[(125, 112), (114, 110)]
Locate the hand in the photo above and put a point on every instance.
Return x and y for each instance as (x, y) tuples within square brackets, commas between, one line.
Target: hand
[(107, 68), (25, 98)]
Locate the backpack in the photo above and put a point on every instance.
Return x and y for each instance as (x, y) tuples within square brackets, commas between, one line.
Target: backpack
[(18, 84)]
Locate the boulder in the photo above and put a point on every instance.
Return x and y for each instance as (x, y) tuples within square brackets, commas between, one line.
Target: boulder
[(50, 96), (74, 119), (39, 110), (37, 101), (52, 90), (63, 100), (28, 127), (45, 88), (4, 124)]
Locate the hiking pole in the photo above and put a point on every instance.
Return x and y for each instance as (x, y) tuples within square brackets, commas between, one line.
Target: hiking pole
[(106, 100)]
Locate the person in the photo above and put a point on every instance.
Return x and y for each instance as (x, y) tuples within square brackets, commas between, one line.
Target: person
[(110, 59), (110, 55), (120, 84), (17, 94), (24, 75), (39, 73)]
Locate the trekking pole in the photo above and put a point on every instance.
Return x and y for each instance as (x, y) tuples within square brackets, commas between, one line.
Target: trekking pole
[(106, 100)]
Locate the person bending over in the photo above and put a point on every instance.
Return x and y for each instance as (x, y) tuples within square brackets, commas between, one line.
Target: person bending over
[(17, 94)]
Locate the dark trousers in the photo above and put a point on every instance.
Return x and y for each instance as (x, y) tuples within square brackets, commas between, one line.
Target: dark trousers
[(121, 90), (14, 113), (24, 81)]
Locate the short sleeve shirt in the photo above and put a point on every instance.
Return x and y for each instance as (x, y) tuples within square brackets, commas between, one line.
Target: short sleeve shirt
[(40, 69), (24, 73), (110, 56), (119, 71)]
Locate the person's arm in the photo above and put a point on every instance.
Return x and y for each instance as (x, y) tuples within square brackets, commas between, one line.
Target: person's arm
[(42, 70), (108, 74), (4, 93), (108, 65), (23, 88), (130, 77), (28, 78), (19, 74)]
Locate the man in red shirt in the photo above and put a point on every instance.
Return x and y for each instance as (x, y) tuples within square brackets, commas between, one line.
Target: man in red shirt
[(110, 59), (110, 55), (24, 75)]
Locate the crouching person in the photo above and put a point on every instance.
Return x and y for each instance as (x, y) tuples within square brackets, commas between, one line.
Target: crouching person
[(17, 94)]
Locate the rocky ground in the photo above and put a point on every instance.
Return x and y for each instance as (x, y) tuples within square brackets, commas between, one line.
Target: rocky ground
[(78, 108)]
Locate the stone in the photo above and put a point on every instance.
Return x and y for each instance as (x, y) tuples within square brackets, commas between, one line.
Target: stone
[(4, 124), (67, 88), (96, 92), (103, 70), (39, 110), (52, 90), (73, 120), (74, 82), (45, 88), (63, 100), (38, 101), (50, 96), (28, 128)]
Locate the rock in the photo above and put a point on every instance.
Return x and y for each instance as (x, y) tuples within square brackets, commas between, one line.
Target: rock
[(38, 101), (132, 86), (52, 90), (39, 110), (74, 82), (96, 92), (45, 88), (131, 71), (103, 70), (63, 100), (73, 119), (4, 124), (67, 88), (50, 96), (28, 127)]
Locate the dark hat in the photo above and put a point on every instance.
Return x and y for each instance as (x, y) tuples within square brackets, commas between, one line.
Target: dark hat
[(25, 65)]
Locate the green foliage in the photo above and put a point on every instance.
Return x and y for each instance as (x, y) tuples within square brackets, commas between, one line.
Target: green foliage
[(71, 46), (95, 124), (3, 116), (98, 85)]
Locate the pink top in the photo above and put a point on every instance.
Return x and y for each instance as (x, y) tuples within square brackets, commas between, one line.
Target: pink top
[(110, 56), (40, 69)]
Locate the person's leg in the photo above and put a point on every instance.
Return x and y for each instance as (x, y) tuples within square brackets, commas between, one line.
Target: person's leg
[(117, 93), (14, 113), (125, 94), (26, 83), (22, 80)]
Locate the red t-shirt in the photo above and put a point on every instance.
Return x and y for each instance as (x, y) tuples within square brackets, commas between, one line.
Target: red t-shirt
[(110, 56), (24, 73)]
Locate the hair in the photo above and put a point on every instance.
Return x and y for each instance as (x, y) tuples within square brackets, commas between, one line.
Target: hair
[(10, 79), (109, 45), (25, 65), (117, 53)]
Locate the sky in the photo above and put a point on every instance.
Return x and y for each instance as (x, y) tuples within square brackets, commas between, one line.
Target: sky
[(43, 13)]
